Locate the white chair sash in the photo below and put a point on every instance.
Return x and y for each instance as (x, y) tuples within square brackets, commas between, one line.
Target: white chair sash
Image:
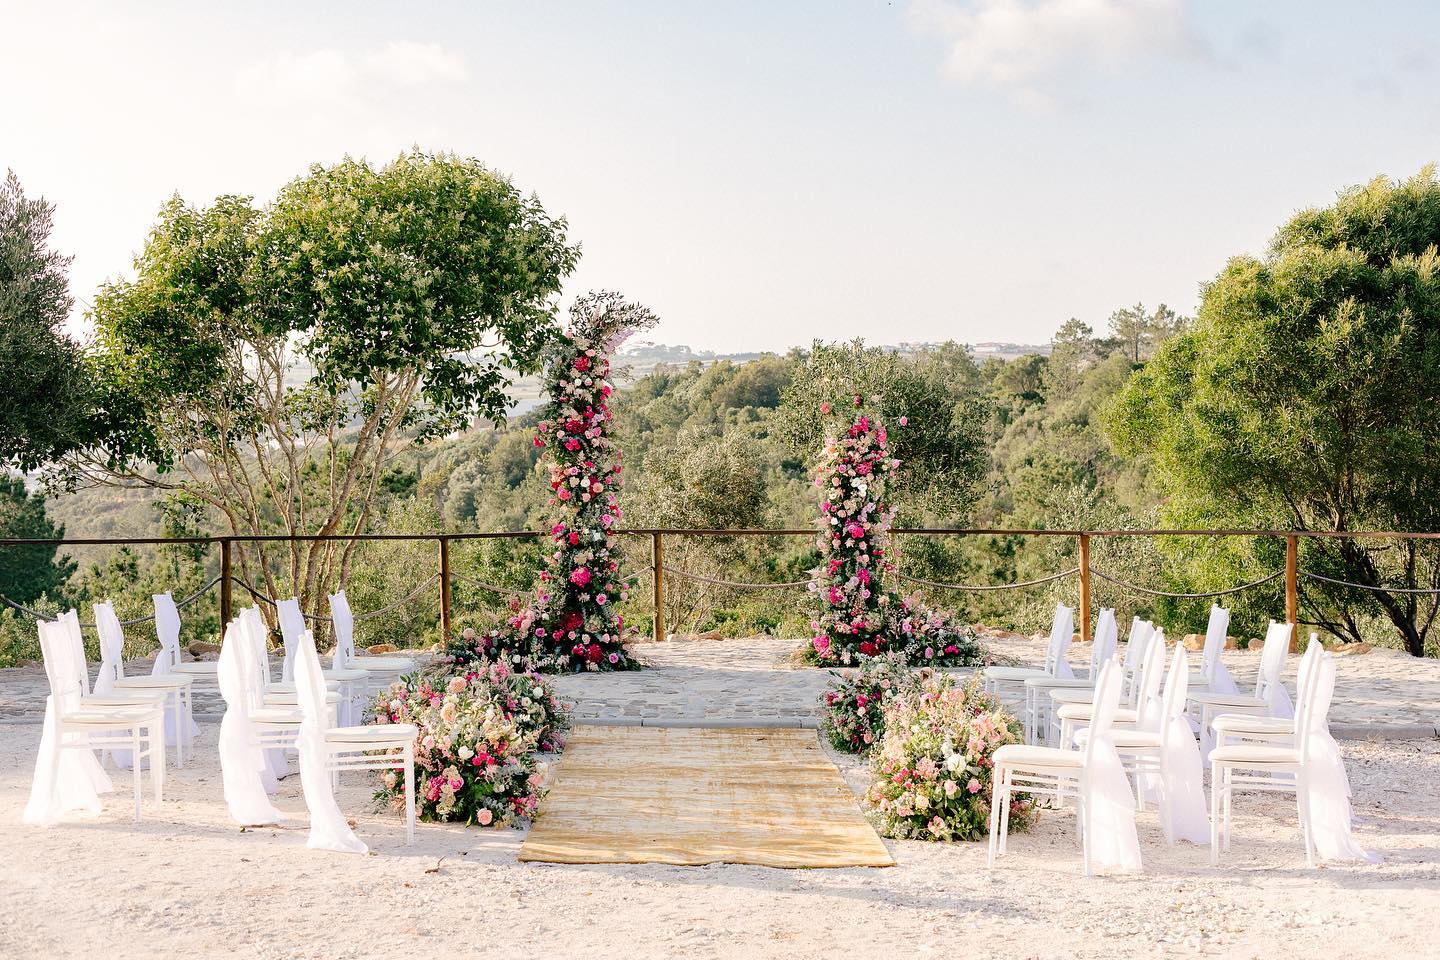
[(167, 629), (243, 766), (1211, 666), (1182, 802), (1331, 821), (292, 625), (328, 828), (71, 780), (1111, 833)]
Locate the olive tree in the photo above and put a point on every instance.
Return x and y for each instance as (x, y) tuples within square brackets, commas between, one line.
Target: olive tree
[(1305, 397), (272, 361)]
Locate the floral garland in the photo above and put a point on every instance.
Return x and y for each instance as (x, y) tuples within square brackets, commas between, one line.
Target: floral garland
[(572, 623), (860, 617), (479, 732), (933, 770)]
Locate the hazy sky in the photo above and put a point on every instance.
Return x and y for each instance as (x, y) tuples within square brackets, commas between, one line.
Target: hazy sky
[(761, 174)]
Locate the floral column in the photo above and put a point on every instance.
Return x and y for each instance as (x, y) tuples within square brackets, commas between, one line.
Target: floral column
[(860, 615), (572, 624)]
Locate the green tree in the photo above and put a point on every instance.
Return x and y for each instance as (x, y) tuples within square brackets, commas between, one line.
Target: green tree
[(27, 573), (272, 362), (44, 405), (1305, 396)]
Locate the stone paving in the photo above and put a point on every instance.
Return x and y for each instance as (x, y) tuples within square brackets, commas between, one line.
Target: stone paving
[(751, 682)]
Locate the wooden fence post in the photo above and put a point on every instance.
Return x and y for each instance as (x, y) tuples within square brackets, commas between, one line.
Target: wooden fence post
[(227, 585), (1085, 588), (657, 562), (1292, 589), (445, 589)]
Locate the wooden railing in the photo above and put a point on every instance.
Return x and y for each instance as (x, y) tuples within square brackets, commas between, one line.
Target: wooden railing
[(657, 537)]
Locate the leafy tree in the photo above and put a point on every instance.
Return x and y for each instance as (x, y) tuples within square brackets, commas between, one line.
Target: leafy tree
[(43, 407), (1305, 396), (272, 362), (27, 573), (1142, 333)]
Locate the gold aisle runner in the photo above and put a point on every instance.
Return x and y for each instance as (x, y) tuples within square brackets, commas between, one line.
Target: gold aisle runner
[(691, 796)]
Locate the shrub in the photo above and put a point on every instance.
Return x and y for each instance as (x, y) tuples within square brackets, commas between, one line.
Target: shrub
[(932, 769)]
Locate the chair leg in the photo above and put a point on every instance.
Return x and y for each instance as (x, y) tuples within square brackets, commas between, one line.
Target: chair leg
[(1084, 806), (1302, 802), (1229, 805), (1215, 789), (997, 797), (157, 761), (135, 767), (409, 793), (1005, 812)]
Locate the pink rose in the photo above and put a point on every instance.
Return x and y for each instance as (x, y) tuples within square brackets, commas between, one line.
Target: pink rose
[(484, 817), (973, 786)]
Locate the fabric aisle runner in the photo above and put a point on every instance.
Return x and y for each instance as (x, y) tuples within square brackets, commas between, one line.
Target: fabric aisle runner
[(685, 796)]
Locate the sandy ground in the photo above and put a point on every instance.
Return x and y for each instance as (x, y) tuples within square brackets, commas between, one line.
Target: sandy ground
[(186, 882)]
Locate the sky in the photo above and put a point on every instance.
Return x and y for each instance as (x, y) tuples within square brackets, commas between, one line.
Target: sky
[(760, 174)]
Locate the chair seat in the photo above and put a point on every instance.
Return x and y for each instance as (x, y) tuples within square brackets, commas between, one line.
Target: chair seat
[(1060, 683), (124, 698), (1226, 700), (1240, 723), (288, 686), (1124, 739), (114, 717), (1082, 711), (345, 675), (196, 668), (282, 698), (1073, 695), (383, 664), (1256, 754), (286, 715), (1013, 673), (375, 733), (1025, 755), (162, 682)]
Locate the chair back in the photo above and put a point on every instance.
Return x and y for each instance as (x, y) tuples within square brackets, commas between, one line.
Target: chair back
[(1139, 636), (1107, 703), (292, 625), (1317, 689), (1272, 658), (112, 647), (1177, 690), (257, 647), (1106, 636), (59, 672), (342, 621), (167, 628), (1215, 633), (1152, 671), (73, 637), (1062, 630), (310, 683)]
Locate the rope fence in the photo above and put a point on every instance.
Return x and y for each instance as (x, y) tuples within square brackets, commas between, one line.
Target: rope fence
[(1430, 591), (420, 588), (687, 575), (179, 605), (978, 587), (1187, 596)]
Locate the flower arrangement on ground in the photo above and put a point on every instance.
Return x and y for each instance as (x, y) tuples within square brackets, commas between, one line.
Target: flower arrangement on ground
[(571, 624), (859, 615), (932, 769), (479, 731), (852, 711)]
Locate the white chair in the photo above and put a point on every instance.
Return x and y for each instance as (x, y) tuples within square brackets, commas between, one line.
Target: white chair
[(73, 724), (1062, 631), (1213, 677), (1094, 776), (1264, 767), (1260, 728), (382, 671), (245, 770), (176, 689), (275, 723), (1037, 689), (167, 628), (1269, 699), (1135, 644), (325, 748), (283, 692), (1160, 751), (1074, 708)]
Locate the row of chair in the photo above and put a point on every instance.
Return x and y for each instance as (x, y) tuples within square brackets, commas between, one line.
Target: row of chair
[(1262, 743)]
